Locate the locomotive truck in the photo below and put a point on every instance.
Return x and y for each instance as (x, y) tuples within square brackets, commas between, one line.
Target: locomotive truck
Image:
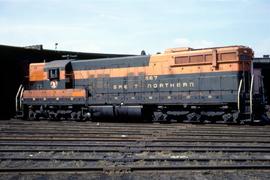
[(181, 84)]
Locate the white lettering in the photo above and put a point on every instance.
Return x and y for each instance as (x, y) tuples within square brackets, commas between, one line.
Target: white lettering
[(156, 85), (151, 78)]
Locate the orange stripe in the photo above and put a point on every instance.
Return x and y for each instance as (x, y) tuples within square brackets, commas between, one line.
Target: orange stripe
[(60, 93), (166, 69), (78, 93), (62, 75), (36, 72)]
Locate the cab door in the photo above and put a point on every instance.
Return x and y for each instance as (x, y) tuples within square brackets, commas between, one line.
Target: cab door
[(69, 77)]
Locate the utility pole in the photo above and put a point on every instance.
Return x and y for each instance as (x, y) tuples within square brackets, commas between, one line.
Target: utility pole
[(55, 45)]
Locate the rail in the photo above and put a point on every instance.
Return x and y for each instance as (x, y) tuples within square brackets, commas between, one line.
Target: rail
[(124, 149)]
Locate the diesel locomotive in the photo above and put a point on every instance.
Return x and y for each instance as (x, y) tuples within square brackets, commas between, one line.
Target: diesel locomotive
[(181, 84)]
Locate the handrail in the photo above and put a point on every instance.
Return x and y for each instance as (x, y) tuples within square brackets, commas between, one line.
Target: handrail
[(251, 95), (238, 95), (20, 102), (16, 98), (262, 89)]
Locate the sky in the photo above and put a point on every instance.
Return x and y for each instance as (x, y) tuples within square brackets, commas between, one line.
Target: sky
[(129, 26)]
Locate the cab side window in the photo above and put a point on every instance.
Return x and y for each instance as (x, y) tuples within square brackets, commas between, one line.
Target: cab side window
[(54, 74)]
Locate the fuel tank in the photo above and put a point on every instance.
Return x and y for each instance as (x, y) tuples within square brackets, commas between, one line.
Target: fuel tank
[(125, 113)]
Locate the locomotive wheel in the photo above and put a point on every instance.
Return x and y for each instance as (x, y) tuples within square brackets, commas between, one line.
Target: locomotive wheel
[(73, 116), (201, 119), (31, 115), (87, 116), (37, 116), (52, 116), (228, 117), (79, 116), (159, 117), (236, 117), (58, 116), (264, 119), (193, 117)]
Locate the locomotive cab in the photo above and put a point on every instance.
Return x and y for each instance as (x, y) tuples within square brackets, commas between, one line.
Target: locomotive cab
[(50, 86), (59, 74)]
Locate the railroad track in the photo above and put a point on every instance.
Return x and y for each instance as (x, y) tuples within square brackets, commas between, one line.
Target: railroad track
[(62, 147)]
